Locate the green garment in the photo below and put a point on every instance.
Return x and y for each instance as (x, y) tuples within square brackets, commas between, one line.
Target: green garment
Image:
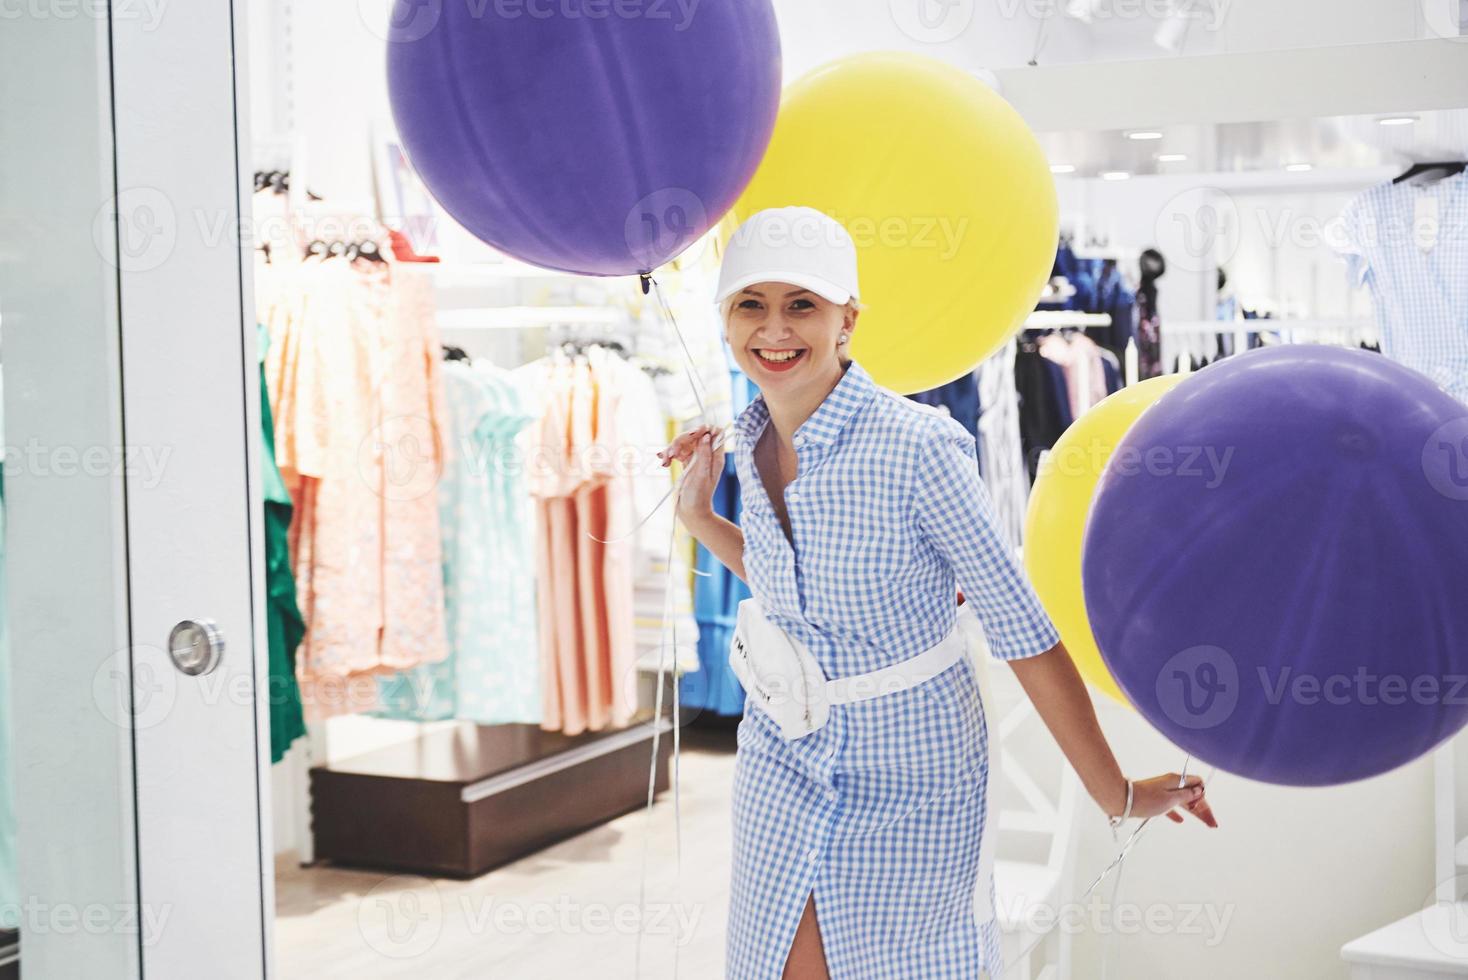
[(283, 617)]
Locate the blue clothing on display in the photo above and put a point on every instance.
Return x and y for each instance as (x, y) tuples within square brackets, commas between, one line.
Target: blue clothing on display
[(717, 593), (1409, 243), (960, 398), (492, 674)]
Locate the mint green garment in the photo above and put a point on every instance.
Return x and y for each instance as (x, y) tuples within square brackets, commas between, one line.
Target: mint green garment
[(492, 674), (284, 624)]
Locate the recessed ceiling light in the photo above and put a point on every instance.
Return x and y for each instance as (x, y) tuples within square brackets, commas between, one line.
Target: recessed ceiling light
[(1397, 120), (1299, 168), (1144, 134), (1171, 157), (1062, 168), (1115, 175)]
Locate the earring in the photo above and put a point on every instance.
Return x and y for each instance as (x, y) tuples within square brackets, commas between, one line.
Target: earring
[(844, 338)]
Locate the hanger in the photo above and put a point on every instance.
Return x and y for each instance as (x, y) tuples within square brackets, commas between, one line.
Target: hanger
[(1450, 168)]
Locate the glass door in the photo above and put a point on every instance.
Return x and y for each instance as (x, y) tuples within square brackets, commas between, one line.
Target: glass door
[(131, 843)]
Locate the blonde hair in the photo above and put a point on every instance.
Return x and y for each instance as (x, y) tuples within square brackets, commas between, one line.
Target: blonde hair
[(726, 309)]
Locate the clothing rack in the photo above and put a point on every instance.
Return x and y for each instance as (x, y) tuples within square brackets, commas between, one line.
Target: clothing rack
[(1060, 319)]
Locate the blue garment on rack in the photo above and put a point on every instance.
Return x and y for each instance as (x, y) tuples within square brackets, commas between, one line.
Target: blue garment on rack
[(717, 593), (960, 398)]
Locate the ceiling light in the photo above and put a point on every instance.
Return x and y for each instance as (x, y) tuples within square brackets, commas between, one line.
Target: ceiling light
[(1299, 168), (1171, 157), (1062, 168), (1144, 134), (1397, 120), (1115, 175)]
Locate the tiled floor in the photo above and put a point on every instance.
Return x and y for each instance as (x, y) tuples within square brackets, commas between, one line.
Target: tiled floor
[(568, 911)]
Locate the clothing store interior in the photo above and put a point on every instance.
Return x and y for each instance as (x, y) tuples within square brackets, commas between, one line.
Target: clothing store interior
[(489, 726)]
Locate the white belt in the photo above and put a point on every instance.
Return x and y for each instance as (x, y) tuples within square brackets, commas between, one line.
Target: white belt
[(784, 680)]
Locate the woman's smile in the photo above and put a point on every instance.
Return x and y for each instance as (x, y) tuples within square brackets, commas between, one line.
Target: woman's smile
[(779, 359)]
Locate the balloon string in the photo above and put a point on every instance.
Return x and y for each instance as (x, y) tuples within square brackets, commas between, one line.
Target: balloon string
[(693, 379), (670, 619), (1115, 865)]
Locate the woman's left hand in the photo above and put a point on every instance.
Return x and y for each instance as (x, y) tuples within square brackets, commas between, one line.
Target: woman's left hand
[(1160, 794)]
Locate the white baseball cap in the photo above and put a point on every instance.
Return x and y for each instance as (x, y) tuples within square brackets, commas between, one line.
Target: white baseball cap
[(801, 246)]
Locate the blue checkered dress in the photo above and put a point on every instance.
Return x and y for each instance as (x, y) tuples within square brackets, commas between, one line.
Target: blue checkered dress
[(1420, 296), (881, 811)]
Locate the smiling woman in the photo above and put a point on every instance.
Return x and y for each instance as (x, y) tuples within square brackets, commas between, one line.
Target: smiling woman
[(863, 516)]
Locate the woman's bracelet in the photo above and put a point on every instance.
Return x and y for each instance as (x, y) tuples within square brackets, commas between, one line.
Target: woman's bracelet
[(1126, 815)]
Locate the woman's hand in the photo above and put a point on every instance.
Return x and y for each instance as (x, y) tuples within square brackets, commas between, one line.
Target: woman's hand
[(704, 464), (1160, 794)]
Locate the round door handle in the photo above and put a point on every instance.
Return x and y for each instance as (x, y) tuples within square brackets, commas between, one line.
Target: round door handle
[(196, 646)]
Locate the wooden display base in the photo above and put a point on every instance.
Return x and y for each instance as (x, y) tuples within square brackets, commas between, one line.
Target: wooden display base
[(458, 803)]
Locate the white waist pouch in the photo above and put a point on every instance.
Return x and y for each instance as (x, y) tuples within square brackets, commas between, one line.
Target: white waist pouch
[(784, 680)]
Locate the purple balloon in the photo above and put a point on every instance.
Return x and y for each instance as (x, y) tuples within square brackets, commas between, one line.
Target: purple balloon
[(1276, 565), (600, 137)]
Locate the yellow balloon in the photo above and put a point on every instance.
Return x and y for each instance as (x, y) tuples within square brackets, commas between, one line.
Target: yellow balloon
[(1055, 523), (947, 193)]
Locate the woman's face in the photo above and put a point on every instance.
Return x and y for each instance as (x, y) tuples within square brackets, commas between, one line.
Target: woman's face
[(785, 337)]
